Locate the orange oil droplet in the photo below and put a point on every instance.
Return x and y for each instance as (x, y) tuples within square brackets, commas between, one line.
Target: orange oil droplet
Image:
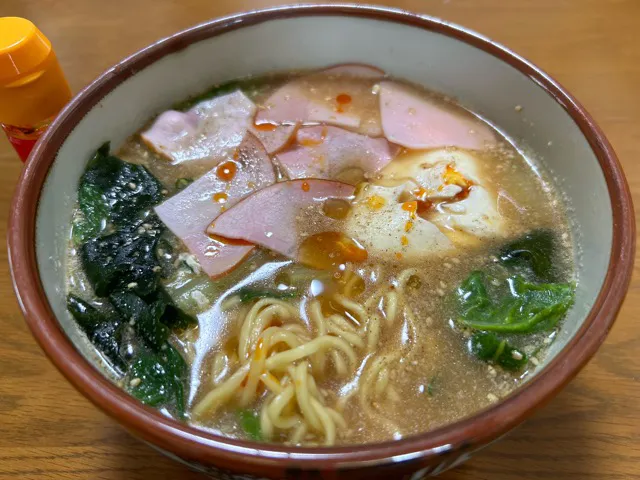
[(398, 255), (452, 177), (226, 171), (376, 202), (305, 186), (408, 226), (265, 127), (329, 250), (411, 207), (404, 240), (336, 208), (228, 241), (420, 193), (343, 99), (236, 154), (220, 197)]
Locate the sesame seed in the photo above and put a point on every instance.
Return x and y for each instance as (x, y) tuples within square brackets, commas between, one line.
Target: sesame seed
[(132, 186), (440, 292), (492, 371), (428, 321), (132, 285), (516, 355), (135, 382), (492, 398), (518, 108), (157, 268), (535, 361)]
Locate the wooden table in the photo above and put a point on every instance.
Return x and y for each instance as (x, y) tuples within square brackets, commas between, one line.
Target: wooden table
[(590, 431)]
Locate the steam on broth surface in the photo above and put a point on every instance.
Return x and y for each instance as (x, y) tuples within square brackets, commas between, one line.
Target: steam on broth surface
[(323, 258)]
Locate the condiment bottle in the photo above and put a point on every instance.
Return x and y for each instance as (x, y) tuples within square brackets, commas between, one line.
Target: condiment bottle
[(33, 88)]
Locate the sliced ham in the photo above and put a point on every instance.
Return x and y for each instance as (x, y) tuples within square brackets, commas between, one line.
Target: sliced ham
[(273, 137), (314, 99), (274, 217), (325, 152), (291, 104), (188, 213), (415, 122), (357, 70), (211, 130)]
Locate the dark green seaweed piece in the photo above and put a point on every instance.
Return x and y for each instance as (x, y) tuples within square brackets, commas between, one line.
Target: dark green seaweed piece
[(95, 213), (490, 347), (250, 423), (143, 317), (157, 379), (534, 250), (523, 307), (127, 189), (250, 294), (174, 317), (103, 330), (124, 259)]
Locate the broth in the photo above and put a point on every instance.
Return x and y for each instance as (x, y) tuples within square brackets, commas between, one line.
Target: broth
[(372, 310)]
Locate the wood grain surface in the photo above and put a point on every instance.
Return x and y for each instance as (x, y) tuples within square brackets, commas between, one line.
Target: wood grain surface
[(590, 431)]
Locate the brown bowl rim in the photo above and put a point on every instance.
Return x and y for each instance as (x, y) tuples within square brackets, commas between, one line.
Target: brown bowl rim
[(207, 448)]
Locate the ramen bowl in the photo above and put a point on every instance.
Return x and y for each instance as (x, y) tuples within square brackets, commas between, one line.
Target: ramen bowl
[(522, 101)]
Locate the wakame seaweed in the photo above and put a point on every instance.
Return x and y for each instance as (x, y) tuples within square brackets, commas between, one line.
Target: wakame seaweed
[(157, 378), (113, 192), (124, 259), (103, 330), (118, 236)]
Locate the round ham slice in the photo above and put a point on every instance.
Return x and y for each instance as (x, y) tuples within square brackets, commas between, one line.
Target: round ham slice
[(273, 217), (325, 152), (189, 212), (415, 122)]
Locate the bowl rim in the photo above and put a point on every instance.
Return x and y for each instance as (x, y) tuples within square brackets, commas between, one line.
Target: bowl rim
[(200, 446)]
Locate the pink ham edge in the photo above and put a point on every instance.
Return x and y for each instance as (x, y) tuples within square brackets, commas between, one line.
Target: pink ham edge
[(212, 129), (413, 122), (274, 140), (358, 70), (268, 217), (189, 212), (329, 150)]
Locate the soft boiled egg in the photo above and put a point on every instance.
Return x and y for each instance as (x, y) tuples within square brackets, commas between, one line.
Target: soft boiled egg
[(424, 203)]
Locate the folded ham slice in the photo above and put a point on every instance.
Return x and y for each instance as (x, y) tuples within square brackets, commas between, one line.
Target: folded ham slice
[(210, 130), (276, 216), (188, 213), (415, 122), (325, 152)]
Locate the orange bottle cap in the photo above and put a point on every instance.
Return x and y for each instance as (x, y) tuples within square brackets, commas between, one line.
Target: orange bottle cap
[(23, 48), (33, 88)]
